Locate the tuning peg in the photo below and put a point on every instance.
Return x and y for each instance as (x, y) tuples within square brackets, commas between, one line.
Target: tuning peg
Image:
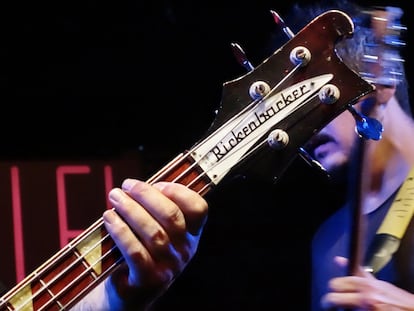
[(241, 56), (366, 127), (393, 28), (279, 21)]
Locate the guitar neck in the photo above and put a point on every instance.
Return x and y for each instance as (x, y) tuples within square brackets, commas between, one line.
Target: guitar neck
[(89, 258)]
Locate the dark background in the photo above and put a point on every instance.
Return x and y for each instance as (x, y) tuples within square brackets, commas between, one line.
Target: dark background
[(97, 79)]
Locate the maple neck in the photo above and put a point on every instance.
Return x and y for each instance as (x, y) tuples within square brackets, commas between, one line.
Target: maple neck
[(89, 258)]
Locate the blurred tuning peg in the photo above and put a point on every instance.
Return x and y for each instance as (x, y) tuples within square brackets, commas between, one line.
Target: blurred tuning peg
[(382, 63), (366, 127), (241, 56), (279, 21)]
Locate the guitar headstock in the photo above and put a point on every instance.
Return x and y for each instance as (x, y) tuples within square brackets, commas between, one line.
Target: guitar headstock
[(274, 109)]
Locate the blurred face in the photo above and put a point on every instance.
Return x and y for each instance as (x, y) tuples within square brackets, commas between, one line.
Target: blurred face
[(332, 147)]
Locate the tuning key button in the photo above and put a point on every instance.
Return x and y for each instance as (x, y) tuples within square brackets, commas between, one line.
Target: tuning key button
[(329, 94), (259, 89), (300, 56), (278, 139)]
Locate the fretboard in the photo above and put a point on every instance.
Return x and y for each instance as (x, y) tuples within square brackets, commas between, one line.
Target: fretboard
[(89, 258)]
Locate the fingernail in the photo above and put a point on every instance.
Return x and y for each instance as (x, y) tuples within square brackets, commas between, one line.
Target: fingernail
[(109, 216), (128, 184), (115, 195)]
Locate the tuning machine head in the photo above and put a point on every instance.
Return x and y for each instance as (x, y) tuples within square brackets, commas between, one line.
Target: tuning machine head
[(382, 63)]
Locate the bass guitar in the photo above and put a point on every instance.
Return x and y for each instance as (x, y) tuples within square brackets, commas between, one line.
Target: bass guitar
[(270, 112)]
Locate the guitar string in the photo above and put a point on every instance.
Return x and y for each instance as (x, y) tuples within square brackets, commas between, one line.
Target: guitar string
[(74, 264), (107, 235), (80, 258), (189, 169), (245, 156), (254, 103), (185, 156), (45, 286)]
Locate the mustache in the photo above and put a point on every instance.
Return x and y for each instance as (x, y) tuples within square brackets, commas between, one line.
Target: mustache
[(317, 140)]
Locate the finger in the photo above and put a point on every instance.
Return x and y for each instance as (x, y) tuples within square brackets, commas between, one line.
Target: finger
[(131, 248), (148, 230), (342, 300), (159, 214), (193, 207), (347, 284), (341, 261)]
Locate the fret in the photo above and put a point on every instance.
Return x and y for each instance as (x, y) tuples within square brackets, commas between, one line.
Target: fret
[(183, 169)]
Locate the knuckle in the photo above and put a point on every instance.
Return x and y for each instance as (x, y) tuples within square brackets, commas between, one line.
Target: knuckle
[(159, 239)]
